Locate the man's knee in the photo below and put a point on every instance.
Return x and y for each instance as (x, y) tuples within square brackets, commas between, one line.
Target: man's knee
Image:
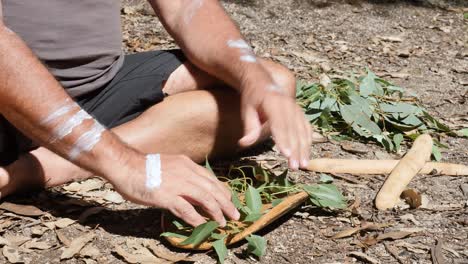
[(282, 76)]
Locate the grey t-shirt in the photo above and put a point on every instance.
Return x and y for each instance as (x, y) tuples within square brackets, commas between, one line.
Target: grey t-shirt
[(78, 40)]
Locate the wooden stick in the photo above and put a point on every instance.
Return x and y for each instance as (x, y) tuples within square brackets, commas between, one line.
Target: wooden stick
[(381, 167), (276, 212), (404, 172)]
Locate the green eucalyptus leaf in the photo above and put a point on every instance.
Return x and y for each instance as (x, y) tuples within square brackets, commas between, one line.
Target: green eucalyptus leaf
[(178, 224), (327, 195), (463, 132), (171, 234), (217, 236), (276, 202), (220, 249), (208, 166), (324, 178), (252, 217), (200, 233), (397, 139), (256, 245), (253, 199), (436, 153), (235, 199), (368, 85)]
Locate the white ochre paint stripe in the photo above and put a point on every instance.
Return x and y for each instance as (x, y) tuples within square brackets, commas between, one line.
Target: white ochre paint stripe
[(87, 141), (153, 171), (67, 127)]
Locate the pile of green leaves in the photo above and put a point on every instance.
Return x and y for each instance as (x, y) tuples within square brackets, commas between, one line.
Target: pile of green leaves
[(367, 108), (254, 189)]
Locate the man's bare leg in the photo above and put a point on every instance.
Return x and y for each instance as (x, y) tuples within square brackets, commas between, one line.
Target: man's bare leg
[(193, 122)]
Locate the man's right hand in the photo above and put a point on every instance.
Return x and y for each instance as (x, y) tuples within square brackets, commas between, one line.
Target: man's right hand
[(185, 185)]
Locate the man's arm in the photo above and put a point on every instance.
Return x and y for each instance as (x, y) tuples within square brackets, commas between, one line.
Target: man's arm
[(211, 41), (35, 103)]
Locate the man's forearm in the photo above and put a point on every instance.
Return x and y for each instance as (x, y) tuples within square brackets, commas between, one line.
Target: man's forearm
[(211, 40), (34, 102)]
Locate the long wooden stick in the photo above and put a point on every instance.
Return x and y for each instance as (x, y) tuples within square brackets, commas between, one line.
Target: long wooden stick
[(276, 212), (381, 167)]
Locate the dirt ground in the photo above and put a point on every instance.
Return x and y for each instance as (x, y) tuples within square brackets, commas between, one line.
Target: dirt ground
[(419, 45)]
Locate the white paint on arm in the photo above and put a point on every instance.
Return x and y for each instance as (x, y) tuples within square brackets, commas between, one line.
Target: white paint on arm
[(87, 141), (153, 171), (247, 54), (61, 111), (192, 10), (64, 129)]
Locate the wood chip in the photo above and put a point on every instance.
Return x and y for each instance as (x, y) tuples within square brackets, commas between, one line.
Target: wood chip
[(363, 257), (20, 209), (436, 253), (76, 245), (12, 255)]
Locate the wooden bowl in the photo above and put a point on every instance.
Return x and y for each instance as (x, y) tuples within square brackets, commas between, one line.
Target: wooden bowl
[(276, 212)]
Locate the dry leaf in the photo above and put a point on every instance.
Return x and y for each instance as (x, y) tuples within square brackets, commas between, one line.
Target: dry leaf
[(394, 235), (12, 255), (84, 186), (412, 197), (89, 261), (64, 222), (354, 230), (17, 240), (4, 241), (113, 197), (436, 253), (353, 148), (63, 238), (76, 245), (20, 209), (364, 257), (391, 38), (34, 244), (90, 251), (38, 230), (5, 224), (143, 256), (163, 253)]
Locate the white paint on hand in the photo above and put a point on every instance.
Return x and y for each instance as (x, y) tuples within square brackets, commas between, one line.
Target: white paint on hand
[(238, 44), (192, 10), (87, 141), (67, 127), (59, 112), (153, 171), (274, 88), (248, 58)]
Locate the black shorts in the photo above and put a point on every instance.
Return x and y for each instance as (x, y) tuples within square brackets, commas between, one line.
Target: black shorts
[(135, 88)]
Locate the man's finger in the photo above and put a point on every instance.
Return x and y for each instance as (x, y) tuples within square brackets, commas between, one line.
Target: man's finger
[(303, 139), (252, 126), (198, 196), (215, 187), (185, 211), (213, 179)]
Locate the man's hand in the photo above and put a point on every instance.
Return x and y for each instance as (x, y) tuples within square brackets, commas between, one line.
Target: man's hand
[(184, 185), (265, 103)]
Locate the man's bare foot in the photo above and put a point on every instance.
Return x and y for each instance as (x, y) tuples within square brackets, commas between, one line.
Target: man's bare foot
[(28, 172)]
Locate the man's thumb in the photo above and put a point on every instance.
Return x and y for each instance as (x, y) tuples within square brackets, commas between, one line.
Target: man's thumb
[(252, 127)]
